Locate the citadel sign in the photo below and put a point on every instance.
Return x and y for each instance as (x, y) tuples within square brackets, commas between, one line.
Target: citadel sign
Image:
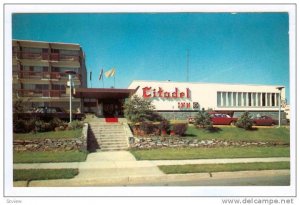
[(149, 92)]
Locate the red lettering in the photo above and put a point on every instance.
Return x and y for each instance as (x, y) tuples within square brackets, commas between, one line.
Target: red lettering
[(188, 105), (148, 92), (160, 91), (145, 92), (154, 93), (175, 94), (188, 93), (166, 94)]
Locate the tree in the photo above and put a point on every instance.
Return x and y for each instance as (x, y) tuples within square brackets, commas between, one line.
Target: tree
[(244, 121), (137, 109), (203, 119)]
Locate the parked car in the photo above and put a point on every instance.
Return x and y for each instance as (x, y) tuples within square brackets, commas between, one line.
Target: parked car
[(222, 119), (264, 121), (48, 113)]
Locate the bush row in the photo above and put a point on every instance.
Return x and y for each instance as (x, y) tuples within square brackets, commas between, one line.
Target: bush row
[(33, 125), (162, 128)]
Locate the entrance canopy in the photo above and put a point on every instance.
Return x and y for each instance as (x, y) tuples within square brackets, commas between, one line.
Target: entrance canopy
[(104, 93)]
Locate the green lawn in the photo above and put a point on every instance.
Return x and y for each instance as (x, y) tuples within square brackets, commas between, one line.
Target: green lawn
[(43, 174), (198, 168), (46, 157), (210, 153), (49, 135), (279, 135)]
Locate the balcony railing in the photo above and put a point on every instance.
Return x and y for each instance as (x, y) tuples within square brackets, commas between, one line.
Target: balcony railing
[(41, 93), (46, 56), (43, 75)]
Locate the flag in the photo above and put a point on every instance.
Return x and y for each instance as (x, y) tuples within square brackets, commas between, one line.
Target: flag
[(90, 75), (110, 73), (101, 74)]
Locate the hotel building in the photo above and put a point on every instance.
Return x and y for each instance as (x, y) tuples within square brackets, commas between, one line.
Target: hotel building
[(39, 76)]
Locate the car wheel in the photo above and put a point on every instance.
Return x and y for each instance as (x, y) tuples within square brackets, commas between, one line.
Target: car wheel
[(232, 123)]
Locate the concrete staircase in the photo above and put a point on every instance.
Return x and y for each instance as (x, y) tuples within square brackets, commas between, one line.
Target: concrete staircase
[(108, 136)]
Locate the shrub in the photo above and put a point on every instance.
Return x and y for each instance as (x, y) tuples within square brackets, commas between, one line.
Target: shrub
[(149, 128), (56, 122), (23, 126), (179, 128), (137, 109), (19, 126), (75, 124), (203, 119), (42, 126), (244, 121), (164, 125)]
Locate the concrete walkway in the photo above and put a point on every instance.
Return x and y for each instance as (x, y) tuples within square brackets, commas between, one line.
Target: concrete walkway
[(121, 168)]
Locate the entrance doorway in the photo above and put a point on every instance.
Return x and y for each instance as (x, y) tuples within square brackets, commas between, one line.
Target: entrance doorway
[(113, 108)]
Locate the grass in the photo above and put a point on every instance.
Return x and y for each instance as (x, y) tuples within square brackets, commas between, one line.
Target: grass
[(279, 135), (47, 157), (49, 135), (210, 153), (199, 168), (43, 174)]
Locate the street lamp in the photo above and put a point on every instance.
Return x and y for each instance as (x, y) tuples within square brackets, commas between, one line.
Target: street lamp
[(279, 115), (70, 73)]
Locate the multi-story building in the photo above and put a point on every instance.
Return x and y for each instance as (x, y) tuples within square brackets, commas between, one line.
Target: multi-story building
[(39, 76)]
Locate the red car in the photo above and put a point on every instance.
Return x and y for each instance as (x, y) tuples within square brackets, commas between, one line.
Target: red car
[(222, 119), (263, 120)]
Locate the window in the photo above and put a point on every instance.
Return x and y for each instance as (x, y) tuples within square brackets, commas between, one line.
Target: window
[(224, 99), (239, 99), (218, 99), (277, 99), (268, 99), (234, 98), (249, 99), (42, 87), (244, 99), (229, 99), (263, 99), (258, 99), (254, 99), (273, 99)]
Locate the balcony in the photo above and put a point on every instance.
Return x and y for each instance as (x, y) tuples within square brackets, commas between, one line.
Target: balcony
[(41, 93), (46, 56), (43, 75)]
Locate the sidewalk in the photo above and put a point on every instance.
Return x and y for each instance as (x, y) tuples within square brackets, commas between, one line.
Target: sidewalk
[(121, 168), (142, 163)]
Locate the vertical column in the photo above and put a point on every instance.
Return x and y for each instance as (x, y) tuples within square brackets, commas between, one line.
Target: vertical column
[(237, 99), (276, 100), (242, 99), (227, 99), (232, 99), (256, 99), (221, 98)]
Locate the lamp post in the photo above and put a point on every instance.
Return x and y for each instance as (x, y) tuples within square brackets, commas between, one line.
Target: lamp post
[(70, 73), (279, 115)]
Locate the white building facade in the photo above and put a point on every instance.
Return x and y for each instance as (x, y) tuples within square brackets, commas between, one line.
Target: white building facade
[(182, 99)]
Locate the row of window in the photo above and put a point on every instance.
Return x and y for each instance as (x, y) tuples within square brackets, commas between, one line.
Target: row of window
[(247, 99), (45, 50), (43, 69), (43, 87)]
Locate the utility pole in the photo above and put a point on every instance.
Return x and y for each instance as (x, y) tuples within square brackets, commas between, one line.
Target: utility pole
[(187, 64)]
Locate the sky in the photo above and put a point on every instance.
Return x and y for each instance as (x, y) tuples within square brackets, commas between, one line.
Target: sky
[(243, 48)]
